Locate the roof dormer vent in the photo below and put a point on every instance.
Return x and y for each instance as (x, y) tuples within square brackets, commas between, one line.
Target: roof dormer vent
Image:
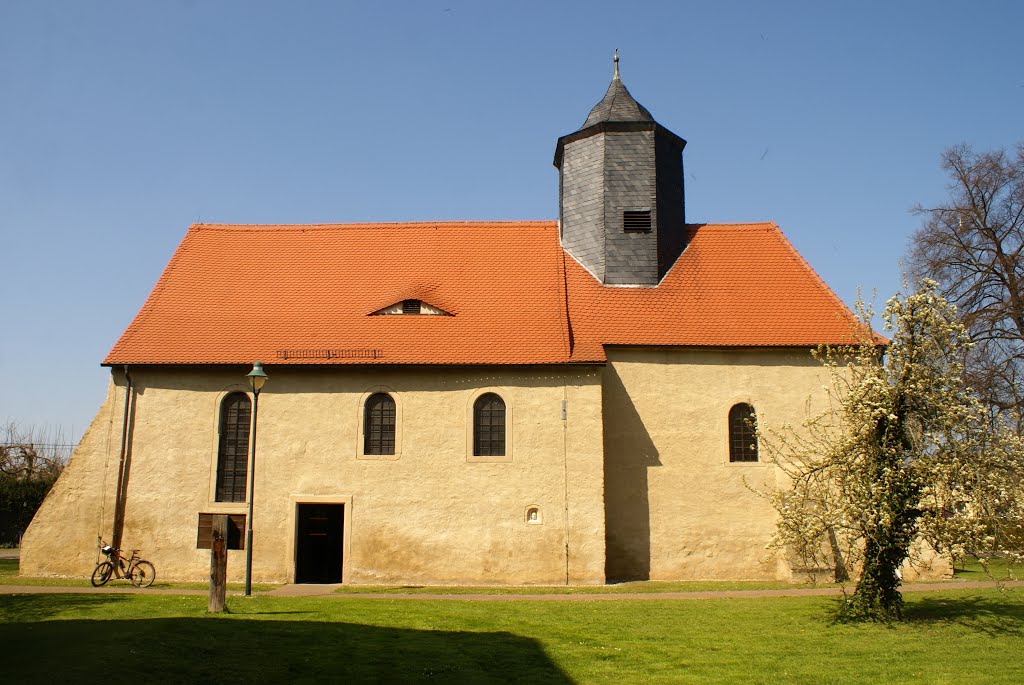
[(411, 306)]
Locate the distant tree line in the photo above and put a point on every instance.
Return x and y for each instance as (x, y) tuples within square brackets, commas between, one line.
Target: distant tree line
[(30, 461)]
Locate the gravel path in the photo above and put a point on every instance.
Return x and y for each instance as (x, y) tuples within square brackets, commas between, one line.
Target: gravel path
[(328, 591)]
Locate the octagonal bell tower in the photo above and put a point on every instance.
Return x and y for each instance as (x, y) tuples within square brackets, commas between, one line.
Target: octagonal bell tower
[(620, 197)]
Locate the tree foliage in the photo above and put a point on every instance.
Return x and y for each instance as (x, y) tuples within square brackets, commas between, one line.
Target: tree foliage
[(904, 458), (972, 245), (30, 462)]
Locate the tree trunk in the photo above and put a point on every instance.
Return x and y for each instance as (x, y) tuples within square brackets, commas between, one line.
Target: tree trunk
[(877, 595), (218, 564)]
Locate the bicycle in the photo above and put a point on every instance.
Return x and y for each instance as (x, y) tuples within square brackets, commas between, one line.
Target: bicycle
[(139, 571)]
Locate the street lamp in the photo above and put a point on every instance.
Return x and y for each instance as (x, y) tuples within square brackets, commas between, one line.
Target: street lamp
[(257, 377)]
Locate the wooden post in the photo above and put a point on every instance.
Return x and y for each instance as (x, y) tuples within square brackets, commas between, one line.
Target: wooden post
[(218, 564), (841, 574)]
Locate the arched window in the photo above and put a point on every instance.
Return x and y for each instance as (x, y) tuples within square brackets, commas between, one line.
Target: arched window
[(489, 426), (233, 449), (379, 424), (742, 438)]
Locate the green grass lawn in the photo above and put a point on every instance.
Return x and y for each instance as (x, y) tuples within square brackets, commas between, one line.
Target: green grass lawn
[(9, 576), (950, 637), (998, 569)]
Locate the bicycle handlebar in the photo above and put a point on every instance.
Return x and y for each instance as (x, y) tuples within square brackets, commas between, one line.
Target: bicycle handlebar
[(114, 550)]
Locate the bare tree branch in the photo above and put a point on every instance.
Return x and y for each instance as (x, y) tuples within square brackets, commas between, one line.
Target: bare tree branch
[(973, 246)]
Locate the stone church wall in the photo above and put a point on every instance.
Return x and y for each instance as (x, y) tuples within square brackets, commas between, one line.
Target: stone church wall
[(676, 508), (431, 513), (62, 538)]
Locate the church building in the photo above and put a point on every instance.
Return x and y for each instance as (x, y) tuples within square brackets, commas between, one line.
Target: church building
[(478, 402)]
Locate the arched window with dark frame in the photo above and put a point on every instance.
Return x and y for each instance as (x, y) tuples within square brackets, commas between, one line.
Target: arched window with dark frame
[(489, 426), (742, 434), (233, 447), (379, 424)]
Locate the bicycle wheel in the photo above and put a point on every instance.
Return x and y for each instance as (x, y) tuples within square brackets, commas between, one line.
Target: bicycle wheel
[(102, 573), (143, 574)]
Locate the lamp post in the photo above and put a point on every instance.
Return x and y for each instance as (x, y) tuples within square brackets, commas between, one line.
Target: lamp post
[(257, 377)]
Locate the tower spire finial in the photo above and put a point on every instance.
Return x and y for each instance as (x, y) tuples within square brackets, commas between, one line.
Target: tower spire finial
[(616, 60)]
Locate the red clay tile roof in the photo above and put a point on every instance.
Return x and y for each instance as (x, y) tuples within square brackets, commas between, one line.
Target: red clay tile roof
[(735, 285), (305, 295)]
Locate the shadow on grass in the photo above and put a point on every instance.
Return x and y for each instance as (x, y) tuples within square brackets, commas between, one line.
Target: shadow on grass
[(985, 615), (234, 649), (27, 608)]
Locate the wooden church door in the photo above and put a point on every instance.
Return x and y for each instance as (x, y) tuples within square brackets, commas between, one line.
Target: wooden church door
[(319, 547)]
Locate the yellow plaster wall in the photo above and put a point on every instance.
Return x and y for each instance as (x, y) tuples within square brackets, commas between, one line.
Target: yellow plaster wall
[(427, 515), (676, 509), (62, 538)]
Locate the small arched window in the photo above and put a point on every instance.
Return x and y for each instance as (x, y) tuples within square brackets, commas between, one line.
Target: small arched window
[(489, 426), (742, 434), (233, 447), (379, 424)]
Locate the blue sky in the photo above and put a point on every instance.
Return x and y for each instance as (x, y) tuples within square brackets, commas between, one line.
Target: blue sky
[(124, 122)]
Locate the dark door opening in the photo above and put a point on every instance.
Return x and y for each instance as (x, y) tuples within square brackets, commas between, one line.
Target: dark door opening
[(319, 544)]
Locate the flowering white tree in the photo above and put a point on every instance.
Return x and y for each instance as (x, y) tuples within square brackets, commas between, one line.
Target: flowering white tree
[(904, 454)]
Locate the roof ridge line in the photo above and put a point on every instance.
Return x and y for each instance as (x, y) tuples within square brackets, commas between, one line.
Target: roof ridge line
[(799, 258), (358, 224), (150, 302), (735, 223)]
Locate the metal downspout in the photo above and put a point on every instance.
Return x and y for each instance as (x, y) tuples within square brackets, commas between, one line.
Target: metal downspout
[(118, 527), (565, 474)]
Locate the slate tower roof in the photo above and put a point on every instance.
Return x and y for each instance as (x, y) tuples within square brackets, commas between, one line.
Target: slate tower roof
[(617, 104), (620, 202)]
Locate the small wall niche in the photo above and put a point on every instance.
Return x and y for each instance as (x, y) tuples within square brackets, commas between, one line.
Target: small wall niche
[(533, 515)]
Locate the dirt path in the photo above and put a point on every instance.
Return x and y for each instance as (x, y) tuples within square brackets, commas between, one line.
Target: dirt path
[(314, 591), (328, 591)]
